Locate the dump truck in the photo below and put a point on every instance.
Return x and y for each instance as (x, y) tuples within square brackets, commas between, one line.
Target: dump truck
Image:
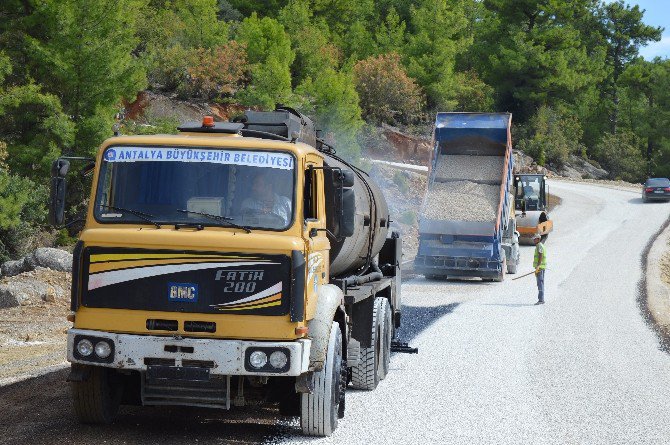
[(235, 263), (467, 224), (530, 203)]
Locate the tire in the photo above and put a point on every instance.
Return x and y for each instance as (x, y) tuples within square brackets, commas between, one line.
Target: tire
[(386, 337), (512, 267), (503, 268), (319, 410), (96, 400), (366, 374)]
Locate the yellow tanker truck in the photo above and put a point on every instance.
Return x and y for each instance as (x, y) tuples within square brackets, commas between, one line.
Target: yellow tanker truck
[(232, 264)]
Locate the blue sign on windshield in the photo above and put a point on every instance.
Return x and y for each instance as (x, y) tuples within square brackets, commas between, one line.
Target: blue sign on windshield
[(264, 159)]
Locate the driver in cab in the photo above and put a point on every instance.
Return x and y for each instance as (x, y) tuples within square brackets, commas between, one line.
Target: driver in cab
[(264, 201)]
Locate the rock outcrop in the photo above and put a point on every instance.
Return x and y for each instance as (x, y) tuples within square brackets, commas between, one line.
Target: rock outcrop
[(46, 257)]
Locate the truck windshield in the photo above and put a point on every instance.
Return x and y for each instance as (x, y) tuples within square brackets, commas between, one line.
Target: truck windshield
[(199, 186)]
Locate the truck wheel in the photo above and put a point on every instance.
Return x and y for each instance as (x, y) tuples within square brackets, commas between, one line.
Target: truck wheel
[(366, 374), (386, 337), (319, 410), (97, 399), (503, 268)]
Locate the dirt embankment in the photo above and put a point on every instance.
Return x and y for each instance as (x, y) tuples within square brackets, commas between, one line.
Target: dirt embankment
[(32, 335)]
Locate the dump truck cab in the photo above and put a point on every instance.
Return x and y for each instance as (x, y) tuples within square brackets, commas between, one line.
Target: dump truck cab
[(202, 274)]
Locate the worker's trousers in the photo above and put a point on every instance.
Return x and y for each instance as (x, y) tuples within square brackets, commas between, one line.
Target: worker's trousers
[(540, 285)]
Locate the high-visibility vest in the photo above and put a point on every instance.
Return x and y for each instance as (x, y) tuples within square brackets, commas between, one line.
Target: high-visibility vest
[(536, 261)]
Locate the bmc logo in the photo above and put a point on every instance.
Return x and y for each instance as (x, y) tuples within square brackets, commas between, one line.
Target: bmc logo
[(183, 292)]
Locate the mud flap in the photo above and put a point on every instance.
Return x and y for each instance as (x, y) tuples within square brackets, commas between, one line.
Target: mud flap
[(330, 298)]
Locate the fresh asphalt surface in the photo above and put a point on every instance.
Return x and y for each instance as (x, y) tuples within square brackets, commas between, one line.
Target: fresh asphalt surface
[(492, 368)]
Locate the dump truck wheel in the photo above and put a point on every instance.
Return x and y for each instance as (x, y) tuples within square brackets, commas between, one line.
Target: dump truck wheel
[(97, 399), (365, 375), (386, 337), (319, 410), (501, 276)]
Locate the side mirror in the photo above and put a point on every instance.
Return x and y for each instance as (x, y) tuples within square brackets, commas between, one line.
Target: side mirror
[(59, 169), (347, 214)]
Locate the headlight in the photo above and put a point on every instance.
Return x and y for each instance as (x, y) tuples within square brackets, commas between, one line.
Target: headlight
[(258, 359), (278, 359), (85, 348), (102, 349)]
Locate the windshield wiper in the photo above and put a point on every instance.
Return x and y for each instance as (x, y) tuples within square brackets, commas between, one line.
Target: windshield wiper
[(141, 215), (225, 219)]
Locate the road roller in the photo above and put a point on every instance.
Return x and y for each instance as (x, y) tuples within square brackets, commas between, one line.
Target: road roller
[(531, 205)]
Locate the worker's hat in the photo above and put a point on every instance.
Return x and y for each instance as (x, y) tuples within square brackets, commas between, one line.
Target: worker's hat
[(537, 237)]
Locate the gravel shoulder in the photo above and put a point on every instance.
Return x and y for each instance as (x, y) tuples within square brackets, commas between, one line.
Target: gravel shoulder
[(656, 297)]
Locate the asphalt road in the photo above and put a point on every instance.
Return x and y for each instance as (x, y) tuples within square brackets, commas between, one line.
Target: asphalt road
[(492, 368)]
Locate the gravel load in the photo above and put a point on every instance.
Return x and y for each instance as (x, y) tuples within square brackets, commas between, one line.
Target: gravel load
[(473, 168), (462, 201)]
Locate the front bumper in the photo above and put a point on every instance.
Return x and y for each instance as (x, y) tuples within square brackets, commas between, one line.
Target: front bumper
[(223, 357)]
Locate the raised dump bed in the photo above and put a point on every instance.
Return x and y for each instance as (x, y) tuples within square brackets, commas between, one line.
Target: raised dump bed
[(466, 227)]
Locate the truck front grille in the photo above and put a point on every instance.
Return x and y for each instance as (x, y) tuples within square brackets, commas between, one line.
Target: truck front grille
[(212, 393)]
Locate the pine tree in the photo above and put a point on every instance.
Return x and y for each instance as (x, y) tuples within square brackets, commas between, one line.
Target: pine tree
[(624, 33), (435, 39), (270, 55)]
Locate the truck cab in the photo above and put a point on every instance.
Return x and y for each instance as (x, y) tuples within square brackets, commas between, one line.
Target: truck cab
[(202, 274)]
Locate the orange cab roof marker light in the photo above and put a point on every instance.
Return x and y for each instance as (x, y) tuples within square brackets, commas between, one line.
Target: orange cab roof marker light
[(208, 121)]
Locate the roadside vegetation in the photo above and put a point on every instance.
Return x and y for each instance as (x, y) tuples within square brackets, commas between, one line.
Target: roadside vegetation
[(569, 71)]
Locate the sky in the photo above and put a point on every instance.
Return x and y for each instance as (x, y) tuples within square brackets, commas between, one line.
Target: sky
[(657, 13)]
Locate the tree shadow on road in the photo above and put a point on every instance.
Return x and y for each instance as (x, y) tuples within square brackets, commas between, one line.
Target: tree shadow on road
[(510, 304)]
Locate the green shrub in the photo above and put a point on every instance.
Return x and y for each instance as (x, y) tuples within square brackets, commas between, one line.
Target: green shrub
[(22, 212), (621, 155), (154, 126), (400, 179), (386, 92), (64, 240), (551, 137)]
